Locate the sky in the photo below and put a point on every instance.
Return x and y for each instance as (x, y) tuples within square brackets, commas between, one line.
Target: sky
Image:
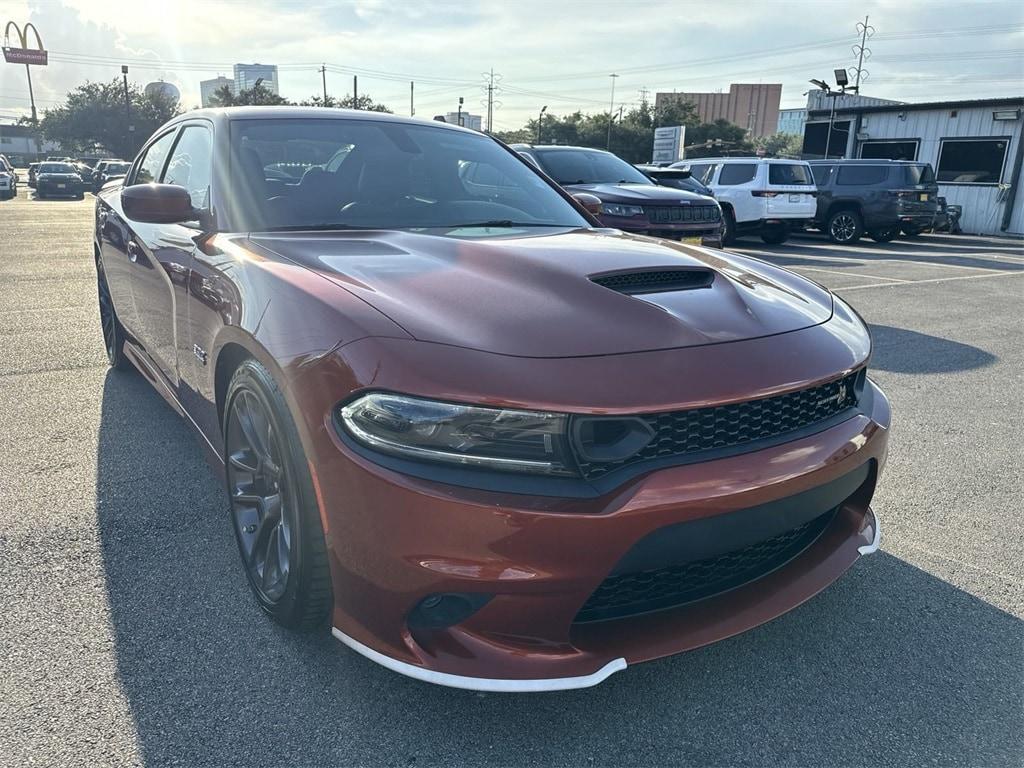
[(558, 53)]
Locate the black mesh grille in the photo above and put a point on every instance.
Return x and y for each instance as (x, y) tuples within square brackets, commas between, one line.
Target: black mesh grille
[(682, 433), (654, 281), (667, 214), (634, 593)]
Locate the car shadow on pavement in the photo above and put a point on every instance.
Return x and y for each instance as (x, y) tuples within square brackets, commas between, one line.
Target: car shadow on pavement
[(900, 350), (888, 666)]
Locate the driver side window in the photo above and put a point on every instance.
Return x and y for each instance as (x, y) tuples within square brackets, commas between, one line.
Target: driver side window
[(190, 164), (152, 162)]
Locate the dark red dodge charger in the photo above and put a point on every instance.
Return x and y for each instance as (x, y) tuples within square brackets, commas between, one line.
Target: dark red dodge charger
[(499, 446)]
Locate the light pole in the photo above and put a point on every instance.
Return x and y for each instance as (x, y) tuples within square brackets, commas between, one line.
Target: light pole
[(458, 119), (540, 120), (611, 111), (127, 106)]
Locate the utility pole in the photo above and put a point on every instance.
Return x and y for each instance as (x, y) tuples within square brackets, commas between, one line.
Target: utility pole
[(323, 73), (412, 95), (540, 120), (866, 31), (458, 120), (355, 91), (127, 105), (611, 112), (490, 102)]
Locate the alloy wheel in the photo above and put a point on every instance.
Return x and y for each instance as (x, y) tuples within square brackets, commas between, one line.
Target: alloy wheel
[(843, 227), (262, 499)]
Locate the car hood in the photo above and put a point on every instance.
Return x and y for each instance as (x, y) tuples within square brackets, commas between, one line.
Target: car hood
[(640, 194), (531, 295)]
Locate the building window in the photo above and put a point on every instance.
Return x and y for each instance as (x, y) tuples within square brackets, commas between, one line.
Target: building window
[(971, 161), (889, 150)]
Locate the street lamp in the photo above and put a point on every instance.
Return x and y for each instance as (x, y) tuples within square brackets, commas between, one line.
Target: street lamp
[(459, 119), (540, 120), (611, 112)]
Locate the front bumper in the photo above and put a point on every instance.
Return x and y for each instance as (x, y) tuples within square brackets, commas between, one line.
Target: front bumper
[(70, 189), (395, 540)]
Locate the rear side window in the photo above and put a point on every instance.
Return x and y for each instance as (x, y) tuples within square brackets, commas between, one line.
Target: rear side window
[(821, 174), (919, 174), (737, 173), (861, 175), (784, 173)]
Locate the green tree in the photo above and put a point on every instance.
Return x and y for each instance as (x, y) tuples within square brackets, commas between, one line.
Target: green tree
[(93, 117), (780, 144), (364, 103), (259, 95)]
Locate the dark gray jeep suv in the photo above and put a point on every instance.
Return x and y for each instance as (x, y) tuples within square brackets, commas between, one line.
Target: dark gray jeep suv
[(879, 198)]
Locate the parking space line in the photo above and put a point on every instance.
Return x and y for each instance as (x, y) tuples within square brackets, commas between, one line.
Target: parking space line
[(989, 274), (848, 274)]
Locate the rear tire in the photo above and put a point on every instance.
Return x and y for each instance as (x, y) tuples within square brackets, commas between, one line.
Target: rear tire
[(775, 234), (728, 227), (884, 235), (274, 511), (844, 227)]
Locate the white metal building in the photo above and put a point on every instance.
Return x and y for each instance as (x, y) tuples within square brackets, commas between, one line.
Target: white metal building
[(975, 148)]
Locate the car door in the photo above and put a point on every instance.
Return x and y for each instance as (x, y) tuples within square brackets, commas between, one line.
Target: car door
[(161, 254), (117, 235)]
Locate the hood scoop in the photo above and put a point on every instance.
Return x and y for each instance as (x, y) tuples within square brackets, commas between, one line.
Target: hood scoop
[(655, 280)]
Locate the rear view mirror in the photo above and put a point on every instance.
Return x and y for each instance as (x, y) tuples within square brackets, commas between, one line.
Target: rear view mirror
[(590, 202), (158, 203)]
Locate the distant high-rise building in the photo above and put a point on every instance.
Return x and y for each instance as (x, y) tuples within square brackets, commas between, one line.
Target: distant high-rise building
[(751, 106), (476, 122), (246, 76), (209, 87)]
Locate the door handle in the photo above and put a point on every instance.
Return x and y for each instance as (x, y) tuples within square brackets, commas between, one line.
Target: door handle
[(133, 251)]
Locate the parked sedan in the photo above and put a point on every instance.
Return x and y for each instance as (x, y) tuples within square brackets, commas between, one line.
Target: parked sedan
[(495, 444), (58, 180), (630, 201), (113, 169)]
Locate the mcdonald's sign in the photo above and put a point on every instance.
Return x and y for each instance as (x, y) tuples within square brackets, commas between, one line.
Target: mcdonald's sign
[(21, 53)]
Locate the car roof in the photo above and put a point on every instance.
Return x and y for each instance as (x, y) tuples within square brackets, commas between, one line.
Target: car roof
[(786, 160), (228, 114), (866, 161)]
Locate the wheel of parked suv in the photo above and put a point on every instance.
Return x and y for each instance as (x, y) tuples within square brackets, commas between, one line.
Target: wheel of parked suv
[(728, 227), (273, 505), (884, 235), (113, 332), (775, 234), (844, 227)]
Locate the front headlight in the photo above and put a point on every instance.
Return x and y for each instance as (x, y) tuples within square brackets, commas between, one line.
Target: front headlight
[(494, 438), (617, 209)]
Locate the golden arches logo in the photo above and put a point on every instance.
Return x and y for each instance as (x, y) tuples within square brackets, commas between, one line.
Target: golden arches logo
[(21, 53)]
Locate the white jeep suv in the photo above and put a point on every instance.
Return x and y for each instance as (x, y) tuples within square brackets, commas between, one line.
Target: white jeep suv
[(764, 196)]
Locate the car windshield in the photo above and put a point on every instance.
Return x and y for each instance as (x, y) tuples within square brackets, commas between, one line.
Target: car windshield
[(586, 166), (788, 173), (57, 168), (919, 174), (336, 174)]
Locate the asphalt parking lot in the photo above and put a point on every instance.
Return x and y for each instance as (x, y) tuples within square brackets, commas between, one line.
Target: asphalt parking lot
[(129, 636)]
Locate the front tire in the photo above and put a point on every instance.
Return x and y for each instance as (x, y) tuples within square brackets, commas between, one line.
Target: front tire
[(844, 227), (274, 511)]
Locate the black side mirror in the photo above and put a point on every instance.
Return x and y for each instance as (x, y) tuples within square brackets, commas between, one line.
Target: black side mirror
[(158, 203)]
